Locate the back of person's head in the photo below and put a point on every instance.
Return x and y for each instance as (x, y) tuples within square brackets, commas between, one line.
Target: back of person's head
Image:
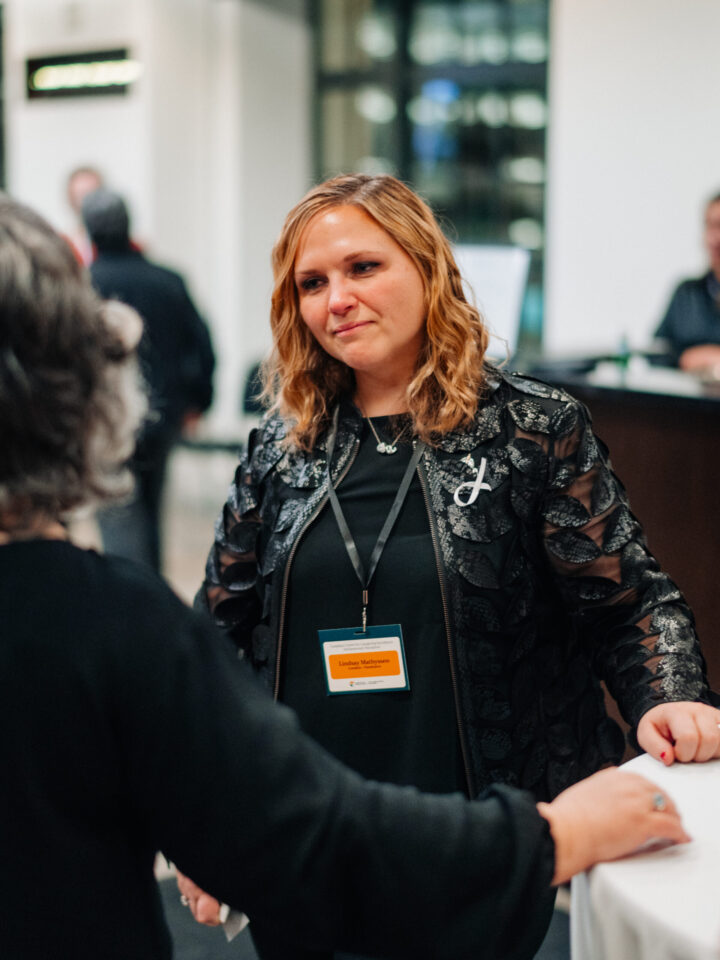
[(106, 220), (70, 403), (303, 381)]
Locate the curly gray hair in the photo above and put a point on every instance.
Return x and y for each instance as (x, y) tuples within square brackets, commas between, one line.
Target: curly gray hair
[(71, 399)]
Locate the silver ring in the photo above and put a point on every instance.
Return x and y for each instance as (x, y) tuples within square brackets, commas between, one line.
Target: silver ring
[(659, 802), (184, 901)]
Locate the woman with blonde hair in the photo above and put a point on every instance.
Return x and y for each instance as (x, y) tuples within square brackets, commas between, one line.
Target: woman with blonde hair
[(429, 559), (448, 376)]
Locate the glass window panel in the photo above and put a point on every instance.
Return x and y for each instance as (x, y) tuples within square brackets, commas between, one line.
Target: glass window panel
[(529, 31), (522, 170), (358, 132), (528, 109), (526, 14), (463, 33), (356, 34), (529, 46), (462, 144), (526, 232), (461, 113), (493, 108), (434, 37)]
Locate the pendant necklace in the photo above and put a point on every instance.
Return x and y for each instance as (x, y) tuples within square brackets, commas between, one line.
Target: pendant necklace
[(382, 445)]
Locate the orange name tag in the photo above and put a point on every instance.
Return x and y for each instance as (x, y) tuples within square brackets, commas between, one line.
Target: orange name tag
[(385, 662), (359, 661)]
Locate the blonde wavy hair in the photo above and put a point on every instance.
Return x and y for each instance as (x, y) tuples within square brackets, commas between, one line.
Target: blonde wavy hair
[(303, 383)]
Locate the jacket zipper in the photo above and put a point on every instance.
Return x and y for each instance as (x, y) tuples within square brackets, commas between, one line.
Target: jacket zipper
[(286, 575), (451, 648)]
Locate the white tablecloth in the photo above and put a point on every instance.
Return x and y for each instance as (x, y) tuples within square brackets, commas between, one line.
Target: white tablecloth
[(663, 905)]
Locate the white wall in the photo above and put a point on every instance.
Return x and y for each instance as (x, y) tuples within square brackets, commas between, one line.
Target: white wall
[(45, 139), (276, 149), (634, 150), (211, 146)]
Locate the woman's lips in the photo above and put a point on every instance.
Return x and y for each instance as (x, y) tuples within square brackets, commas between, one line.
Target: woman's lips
[(349, 327)]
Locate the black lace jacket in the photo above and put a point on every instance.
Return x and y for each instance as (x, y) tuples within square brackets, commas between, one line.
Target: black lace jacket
[(547, 583)]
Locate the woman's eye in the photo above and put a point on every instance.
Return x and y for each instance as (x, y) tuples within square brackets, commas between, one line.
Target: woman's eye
[(365, 266), (309, 284)]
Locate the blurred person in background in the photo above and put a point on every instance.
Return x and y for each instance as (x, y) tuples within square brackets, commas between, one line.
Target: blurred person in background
[(691, 325), (80, 182), (429, 559), (177, 362), (129, 725)]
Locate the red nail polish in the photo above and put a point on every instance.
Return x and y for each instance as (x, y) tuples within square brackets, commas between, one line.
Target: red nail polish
[(663, 755)]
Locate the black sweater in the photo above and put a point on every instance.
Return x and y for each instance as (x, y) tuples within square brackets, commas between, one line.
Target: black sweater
[(128, 727)]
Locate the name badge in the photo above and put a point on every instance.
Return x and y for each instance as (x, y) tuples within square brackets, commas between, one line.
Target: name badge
[(364, 661)]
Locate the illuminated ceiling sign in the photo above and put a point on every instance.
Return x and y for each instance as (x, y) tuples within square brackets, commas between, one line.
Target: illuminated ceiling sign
[(81, 74)]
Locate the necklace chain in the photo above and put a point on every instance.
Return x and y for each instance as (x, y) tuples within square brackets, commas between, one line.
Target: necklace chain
[(382, 445)]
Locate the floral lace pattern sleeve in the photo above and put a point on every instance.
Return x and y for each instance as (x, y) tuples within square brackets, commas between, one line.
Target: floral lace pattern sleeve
[(231, 591), (640, 631)]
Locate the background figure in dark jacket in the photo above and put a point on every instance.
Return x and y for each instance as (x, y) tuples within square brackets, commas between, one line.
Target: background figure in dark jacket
[(691, 325), (177, 362)]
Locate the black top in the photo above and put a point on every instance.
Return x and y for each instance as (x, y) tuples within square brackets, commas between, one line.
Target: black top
[(693, 315), (405, 737), (129, 725)]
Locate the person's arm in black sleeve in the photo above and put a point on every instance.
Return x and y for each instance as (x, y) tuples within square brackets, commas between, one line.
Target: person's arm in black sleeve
[(264, 819), (640, 630)]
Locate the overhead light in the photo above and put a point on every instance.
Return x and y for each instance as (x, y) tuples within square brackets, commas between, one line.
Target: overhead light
[(84, 74)]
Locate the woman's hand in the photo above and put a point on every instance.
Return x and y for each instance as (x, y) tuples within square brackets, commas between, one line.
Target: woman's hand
[(683, 731), (608, 816), (205, 909)]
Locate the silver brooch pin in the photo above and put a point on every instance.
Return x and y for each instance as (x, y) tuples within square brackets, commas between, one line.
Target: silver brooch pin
[(474, 486)]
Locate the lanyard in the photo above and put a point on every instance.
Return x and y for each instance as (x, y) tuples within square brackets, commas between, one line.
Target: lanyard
[(419, 448)]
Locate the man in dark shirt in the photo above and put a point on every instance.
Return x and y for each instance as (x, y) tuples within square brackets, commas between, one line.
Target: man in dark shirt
[(177, 362), (691, 325)]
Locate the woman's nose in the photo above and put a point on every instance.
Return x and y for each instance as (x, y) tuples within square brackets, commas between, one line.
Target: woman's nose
[(341, 297)]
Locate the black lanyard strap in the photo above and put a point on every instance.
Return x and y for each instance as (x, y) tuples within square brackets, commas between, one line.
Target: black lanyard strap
[(383, 536)]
